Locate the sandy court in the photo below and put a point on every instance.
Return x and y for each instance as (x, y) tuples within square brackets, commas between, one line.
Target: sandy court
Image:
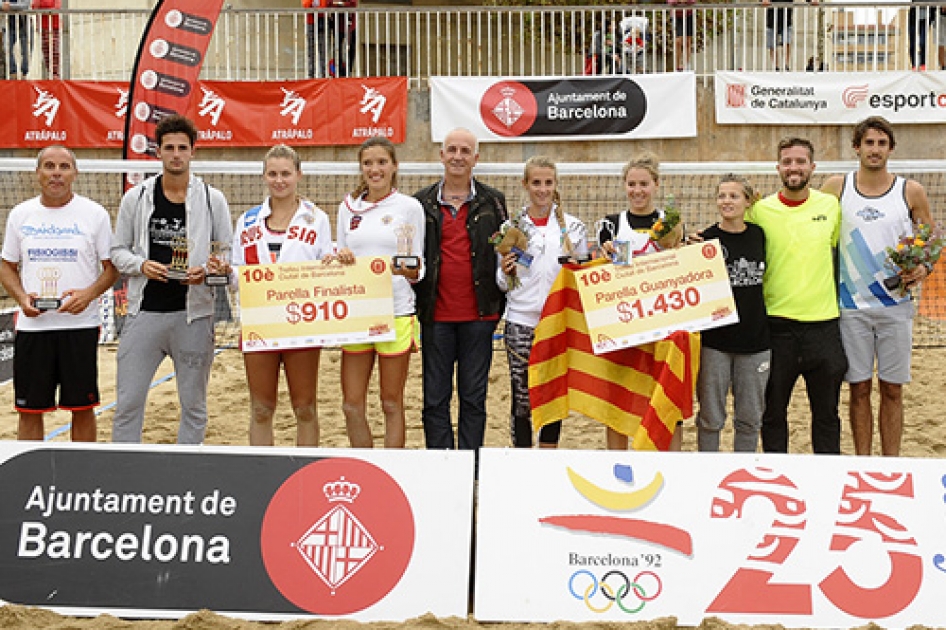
[(924, 436)]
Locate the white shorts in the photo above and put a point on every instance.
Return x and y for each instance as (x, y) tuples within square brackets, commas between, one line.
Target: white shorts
[(882, 333)]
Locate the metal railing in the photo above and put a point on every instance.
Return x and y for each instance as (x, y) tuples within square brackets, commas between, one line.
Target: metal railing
[(274, 44)]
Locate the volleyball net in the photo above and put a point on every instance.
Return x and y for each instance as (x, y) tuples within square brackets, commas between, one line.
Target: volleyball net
[(588, 191)]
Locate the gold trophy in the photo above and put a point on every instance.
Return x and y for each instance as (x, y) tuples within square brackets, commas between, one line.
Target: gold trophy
[(48, 299), (180, 256), (217, 264), (405, 245)]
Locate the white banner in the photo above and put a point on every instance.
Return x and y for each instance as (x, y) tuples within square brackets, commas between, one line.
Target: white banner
[(829, 98), (527, 109), (797, 540), (272, 534)]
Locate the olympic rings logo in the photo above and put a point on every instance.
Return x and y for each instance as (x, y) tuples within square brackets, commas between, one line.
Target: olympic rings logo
[(615, 596)]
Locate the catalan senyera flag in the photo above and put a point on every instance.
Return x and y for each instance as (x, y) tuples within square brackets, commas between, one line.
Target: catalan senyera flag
[(641, 392)]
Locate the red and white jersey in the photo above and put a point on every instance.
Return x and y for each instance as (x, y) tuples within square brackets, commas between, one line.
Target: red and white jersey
[(309, 236)]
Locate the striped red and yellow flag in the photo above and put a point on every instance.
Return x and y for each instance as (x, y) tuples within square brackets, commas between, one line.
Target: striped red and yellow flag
[(641, 392)]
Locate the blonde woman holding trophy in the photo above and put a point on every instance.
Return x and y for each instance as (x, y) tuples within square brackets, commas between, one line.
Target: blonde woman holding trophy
[(377, 220)]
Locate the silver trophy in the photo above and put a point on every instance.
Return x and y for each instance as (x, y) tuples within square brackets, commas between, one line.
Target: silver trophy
[(405, 245), (622, 249), (49, 299), (180, 257), (217, 264)]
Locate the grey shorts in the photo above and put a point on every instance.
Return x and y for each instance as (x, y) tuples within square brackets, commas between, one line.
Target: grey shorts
[(884, 334)]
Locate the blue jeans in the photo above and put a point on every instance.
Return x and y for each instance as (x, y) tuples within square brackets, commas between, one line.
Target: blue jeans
[(469, 347)]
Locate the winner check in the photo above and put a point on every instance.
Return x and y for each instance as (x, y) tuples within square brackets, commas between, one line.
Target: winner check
[(308, 304), (678, 289)]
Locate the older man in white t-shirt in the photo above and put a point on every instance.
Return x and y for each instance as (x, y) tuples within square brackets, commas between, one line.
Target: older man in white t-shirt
[(56, 264)]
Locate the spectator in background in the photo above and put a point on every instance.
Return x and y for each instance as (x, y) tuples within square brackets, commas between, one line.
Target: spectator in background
[(941, 38), (604, 57), (341, 28), (310, 35), (18, 32), (56, 246), (919, 20), (49, 34), (684, 26), (778, 32)]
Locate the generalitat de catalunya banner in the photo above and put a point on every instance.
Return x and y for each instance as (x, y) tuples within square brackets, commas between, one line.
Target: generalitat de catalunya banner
[(91, 114), (829, 98), (798, 540), (166, 68), (528, 109), (273, 534)]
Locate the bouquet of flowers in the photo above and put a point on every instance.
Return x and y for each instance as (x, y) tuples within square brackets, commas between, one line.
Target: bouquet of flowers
[(923, 247), (668, 231), (511, 236)]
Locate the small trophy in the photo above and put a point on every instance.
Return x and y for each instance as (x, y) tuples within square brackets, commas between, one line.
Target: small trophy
[(405, 245), (579, 252), (217, 264), (48, 299), (180, 255), (604, 232), (622, 252)]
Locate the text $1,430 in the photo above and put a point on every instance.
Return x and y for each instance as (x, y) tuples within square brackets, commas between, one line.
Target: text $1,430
[(662, 303)]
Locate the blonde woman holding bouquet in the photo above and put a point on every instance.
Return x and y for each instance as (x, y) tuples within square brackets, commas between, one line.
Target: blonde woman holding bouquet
[(284, 228), (526, 275), (371, 222), (641, 229)]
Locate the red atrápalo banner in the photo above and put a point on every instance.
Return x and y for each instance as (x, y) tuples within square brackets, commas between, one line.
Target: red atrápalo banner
[(316, 112)]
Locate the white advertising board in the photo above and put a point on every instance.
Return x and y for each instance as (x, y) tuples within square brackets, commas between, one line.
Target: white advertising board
[(271, 534), (829, 98), (528, 109), (798, 540)]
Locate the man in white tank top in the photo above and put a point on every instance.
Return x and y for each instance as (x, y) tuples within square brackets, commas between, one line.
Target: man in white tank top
[(877, 208)]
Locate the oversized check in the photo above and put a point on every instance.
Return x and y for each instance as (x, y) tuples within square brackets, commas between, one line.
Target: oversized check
[(679, 289), (307, 304)]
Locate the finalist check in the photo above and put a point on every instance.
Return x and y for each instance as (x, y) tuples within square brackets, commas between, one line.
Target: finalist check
[(308, 304), (679, 289)]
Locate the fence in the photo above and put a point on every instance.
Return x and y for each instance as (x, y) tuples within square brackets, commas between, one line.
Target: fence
[(272, 44)]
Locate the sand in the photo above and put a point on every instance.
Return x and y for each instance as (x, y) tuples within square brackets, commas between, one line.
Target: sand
[(924, 436)]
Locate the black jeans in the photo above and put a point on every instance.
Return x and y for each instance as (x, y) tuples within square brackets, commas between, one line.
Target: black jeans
[(813, 351)]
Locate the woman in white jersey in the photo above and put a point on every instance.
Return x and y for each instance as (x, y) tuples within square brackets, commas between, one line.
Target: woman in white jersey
[(641, 180), (377, 220), (284, 228), (552, 235)]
